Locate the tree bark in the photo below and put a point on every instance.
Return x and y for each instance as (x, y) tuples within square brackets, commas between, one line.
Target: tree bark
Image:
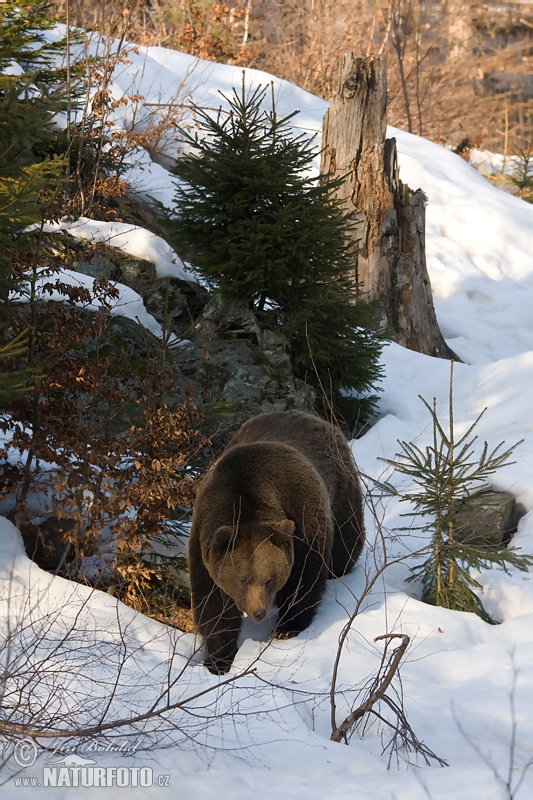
[(389, 254)]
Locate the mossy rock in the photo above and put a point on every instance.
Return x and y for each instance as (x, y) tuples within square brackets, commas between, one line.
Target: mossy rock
[(485, 518), (103, 261)]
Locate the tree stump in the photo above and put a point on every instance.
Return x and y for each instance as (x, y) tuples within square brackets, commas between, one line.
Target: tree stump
[(389, 246)]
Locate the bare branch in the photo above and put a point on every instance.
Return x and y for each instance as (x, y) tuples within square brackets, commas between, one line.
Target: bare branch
[(341, 732)]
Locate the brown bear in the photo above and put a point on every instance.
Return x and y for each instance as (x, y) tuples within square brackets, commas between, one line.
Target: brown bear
[(276, 515)]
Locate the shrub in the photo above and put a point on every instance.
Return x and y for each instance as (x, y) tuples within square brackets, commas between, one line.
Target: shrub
[(98, 451)]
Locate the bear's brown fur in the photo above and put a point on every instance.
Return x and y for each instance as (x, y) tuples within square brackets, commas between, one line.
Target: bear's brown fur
[(278, 513)]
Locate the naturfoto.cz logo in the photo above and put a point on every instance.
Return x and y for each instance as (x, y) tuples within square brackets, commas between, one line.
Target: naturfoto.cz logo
[(73, 770)]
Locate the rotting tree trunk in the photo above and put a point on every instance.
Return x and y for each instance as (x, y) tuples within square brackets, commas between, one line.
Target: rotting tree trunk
[(389, 255)]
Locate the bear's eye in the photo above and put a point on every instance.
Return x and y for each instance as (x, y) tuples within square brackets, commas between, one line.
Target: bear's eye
[(243, 581), (269, 584)]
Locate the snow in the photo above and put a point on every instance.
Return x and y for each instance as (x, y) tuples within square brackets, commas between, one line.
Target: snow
[(479, 251), (467, 687), (132, 239), (127, 304)]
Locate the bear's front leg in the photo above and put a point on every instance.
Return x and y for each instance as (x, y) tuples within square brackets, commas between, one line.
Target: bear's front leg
[(300, 597), (220, 635), (218, 620), (216, 617)]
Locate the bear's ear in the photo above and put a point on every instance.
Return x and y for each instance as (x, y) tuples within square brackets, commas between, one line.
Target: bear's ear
[(221, 541), (286, 526), (283, 535)]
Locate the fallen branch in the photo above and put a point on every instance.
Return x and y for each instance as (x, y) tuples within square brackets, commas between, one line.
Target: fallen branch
[(341, 732)]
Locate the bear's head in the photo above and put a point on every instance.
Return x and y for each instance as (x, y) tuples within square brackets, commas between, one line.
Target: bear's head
[(251, 563)]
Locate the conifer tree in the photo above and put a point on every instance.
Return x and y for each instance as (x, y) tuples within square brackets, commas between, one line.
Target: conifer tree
[(32, 91), (443, 474), (257, 226)]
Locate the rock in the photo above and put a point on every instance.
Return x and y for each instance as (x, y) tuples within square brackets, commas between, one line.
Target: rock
[(275, 349), (485, 518), (230, 367), (235, 369), (47, 541), (175, 304), (224, 317), (116, 265), (231, 381)]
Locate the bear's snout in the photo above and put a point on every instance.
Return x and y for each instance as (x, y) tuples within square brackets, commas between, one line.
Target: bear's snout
[(257, 603), (257, 607)]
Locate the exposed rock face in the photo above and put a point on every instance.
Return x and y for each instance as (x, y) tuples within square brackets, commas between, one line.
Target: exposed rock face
[(226, 362), (235, 370)]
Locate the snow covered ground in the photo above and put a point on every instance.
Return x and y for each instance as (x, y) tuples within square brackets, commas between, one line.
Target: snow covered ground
[(467, 687)]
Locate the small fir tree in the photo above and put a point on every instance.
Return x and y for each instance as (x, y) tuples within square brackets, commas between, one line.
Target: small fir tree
[(32, 91), (444, 473), (257, 226)]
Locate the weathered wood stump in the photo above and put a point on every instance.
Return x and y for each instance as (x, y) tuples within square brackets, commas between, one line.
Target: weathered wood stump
[(389, 254)]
